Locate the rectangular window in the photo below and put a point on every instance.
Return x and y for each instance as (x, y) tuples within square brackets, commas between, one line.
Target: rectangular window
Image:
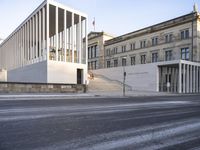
[(168, 55), (132, 46), (184, 34), (92, 65), (108, 52), (89, 67), (115, 63), (95, 51), (123, 61), (185, 54), (115, 50), (154, 57), (91, 52), (123, 48), (108, 64), (95, 65), (154, 41), (143, 59), (168, 38), (187, 34), (88, 52), (133, 60), (142, 44)]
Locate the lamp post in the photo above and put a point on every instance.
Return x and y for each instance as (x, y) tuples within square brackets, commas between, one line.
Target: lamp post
[(124, 75)]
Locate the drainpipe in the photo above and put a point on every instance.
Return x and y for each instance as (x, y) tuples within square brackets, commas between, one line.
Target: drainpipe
[(192, 37)]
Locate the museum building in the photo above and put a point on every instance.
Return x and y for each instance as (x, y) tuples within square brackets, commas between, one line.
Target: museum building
[(163, 57), (47, 47)]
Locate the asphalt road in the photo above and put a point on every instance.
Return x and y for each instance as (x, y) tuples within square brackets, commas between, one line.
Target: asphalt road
[(101, 124)]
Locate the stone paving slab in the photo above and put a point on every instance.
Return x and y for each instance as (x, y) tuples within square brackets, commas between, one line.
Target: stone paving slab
[(90, 94)]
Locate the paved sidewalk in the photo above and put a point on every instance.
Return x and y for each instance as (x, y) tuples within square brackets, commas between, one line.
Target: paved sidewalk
[(89, 94), (48, 96), (129, 93)]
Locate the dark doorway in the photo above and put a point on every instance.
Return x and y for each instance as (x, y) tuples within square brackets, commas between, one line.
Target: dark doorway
[(79, 76), (168, 78)]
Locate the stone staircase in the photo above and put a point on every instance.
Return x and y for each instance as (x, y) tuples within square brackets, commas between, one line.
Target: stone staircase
[(100, 83)]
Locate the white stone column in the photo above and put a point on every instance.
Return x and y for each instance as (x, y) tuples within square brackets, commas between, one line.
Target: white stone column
[(10, 49), (194, 79), (36, 38), (177, 79), (80, 39), (17, 47), (15, 52), (197, 79), (45, 52), (191, 79), (33, 39), (22, 45), (68, 46), (25, 44), (65, 35), (13, 55), (72, 36), (40, 35), (86, 43), (56, 33), (180, 77), (188, 79), (8, 53), (29, 42), (184, 78)]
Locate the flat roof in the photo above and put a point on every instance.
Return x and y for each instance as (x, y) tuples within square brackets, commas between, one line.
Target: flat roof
[(166, 24), (52, 2)]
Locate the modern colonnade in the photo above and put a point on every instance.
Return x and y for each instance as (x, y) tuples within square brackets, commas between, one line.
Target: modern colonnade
[(180, 78), (189, 77), (52, 32)]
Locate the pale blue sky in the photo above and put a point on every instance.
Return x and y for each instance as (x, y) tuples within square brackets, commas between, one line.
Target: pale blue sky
[(113, 16)]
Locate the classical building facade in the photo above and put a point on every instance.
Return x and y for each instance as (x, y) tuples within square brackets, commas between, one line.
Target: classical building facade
[(96, 50), (171, 40), (47, 47), (171, 49)]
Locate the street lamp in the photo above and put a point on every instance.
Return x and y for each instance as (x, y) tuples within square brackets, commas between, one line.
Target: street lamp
[(124, 75)]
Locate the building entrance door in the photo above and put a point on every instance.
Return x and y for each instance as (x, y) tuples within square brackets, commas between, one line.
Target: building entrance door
[(79, 76)]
